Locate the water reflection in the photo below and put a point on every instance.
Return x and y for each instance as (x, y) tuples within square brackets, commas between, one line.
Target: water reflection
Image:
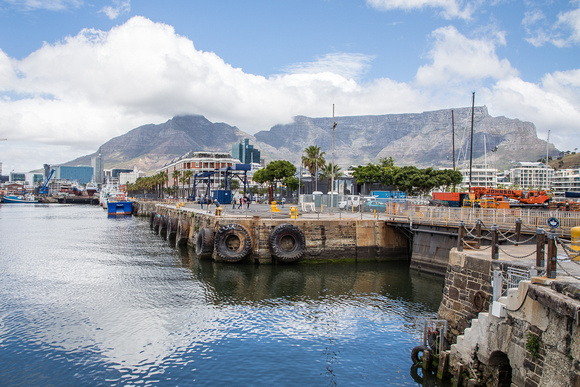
[(106, 301)]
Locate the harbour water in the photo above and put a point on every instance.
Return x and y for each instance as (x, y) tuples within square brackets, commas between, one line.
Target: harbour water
[(91, 300)]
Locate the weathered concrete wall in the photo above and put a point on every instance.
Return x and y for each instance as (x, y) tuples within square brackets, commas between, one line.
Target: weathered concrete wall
[(326, 239), (537, 343), (431, 249)]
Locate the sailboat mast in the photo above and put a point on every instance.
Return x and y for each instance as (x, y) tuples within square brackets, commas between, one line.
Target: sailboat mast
[(453, 137), (471, 148)]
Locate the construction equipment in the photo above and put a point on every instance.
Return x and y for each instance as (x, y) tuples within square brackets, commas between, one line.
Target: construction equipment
[(44, 189)]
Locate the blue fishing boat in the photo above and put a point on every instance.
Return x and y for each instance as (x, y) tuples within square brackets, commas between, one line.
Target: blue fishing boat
[(118, 204), (19, 199)]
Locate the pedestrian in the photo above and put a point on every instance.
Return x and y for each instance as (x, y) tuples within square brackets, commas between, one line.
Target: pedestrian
[(248, 203), (283, 201), (241, 203), (234, 204)]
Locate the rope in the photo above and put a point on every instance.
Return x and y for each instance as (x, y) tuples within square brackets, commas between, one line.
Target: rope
[(513, 256), (515, 242), (566, 271)]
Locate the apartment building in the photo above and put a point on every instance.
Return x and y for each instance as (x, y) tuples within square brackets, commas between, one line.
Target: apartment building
[(566, 180), (481, 176), (532, 175)]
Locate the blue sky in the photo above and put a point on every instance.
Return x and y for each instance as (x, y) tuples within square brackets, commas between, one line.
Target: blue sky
[(75, 73)]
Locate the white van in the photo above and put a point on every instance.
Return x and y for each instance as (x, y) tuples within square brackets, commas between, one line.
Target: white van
[(351, 202)]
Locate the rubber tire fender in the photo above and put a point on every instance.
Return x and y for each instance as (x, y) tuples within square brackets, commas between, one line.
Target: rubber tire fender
[(204, 243), (417, 353), (232, 242), (172, 228), (287, 243), (182, 233)]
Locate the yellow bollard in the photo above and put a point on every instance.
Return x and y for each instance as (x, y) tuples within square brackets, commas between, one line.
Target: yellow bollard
[(293, 212), (274, 208), (575, 237)]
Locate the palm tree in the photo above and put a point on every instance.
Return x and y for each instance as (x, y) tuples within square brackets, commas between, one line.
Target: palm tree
[(313, 158), (183, 180), (326, 173), (188, 175), (175, 175)]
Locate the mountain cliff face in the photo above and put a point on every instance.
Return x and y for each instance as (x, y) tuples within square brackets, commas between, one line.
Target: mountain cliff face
[(420, 139), (148, 147)]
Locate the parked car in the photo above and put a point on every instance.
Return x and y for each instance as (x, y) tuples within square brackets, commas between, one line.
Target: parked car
[(374, 205)]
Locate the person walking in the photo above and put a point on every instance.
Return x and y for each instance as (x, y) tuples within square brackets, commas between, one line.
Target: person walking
[(248, 203), (283, 201), (234, 204), (241, 203)]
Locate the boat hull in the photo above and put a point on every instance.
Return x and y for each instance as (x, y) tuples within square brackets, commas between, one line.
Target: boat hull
[(15, 199), (120, 208)]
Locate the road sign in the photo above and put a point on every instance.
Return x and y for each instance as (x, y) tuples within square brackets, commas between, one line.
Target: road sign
[(553, 223)]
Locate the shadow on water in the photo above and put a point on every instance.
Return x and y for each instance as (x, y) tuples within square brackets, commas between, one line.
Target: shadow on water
[(247, 282)]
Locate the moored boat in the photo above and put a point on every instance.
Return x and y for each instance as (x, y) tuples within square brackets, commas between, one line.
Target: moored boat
[(19, 199), (117, 204)]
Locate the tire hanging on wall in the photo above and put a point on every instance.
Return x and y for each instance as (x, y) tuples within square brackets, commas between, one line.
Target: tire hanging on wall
[(287, 243), (417, 353), (233, 242), (204, 243), (182, 233), (171, 228)]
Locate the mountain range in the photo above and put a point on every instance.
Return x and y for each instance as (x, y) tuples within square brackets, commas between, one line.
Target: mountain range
[(420, 139)]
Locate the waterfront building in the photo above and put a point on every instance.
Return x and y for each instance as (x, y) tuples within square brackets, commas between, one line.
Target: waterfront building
[(130, 177), (245, 152), (566, 180), (98, 168), (532, 175), (481, 176), (198, 162), (81, 174)]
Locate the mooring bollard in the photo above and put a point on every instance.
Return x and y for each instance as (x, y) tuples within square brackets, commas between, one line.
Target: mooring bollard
[(540, 243), (494, 243), (552, 256), (460, 232), (478, 233), (518, 230)]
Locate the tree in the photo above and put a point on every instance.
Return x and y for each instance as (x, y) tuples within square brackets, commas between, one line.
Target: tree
[(314, 158), (291, 183), (188, 175), (176, 175), (327, 170)]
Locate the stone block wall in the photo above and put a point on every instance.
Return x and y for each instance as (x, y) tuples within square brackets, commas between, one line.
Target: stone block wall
[(467, 291)]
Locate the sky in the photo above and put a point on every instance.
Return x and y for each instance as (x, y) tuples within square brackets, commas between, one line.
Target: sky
[(76, 73)]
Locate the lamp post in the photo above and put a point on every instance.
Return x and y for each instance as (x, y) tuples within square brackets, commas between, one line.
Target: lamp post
[(332, 169)]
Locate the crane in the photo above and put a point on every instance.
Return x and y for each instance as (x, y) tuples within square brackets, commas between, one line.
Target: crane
[(44, 189)]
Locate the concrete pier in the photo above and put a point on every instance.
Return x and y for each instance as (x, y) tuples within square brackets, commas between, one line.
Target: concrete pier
[(327, 237)]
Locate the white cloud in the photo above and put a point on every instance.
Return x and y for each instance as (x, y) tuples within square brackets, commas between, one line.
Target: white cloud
[(51, 5), (450, 9), (347, 65), (76, 94), (456, 59), (564, 32), (118, 8)]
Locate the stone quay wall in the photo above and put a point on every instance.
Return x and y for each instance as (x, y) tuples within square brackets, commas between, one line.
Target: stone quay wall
[(326, 239), (530, 337)]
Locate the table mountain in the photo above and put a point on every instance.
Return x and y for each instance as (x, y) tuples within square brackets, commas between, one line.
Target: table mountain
[(420, 139)]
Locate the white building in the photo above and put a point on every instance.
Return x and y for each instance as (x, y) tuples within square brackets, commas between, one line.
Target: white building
[(566, 180), (130, 177), (481, 176), (532, 175), (198, 162)]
